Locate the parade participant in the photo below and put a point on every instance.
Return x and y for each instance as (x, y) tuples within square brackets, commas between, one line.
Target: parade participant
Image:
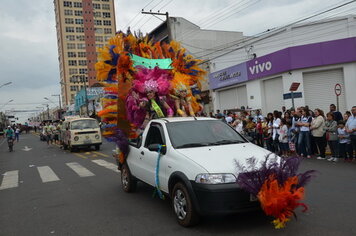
[(183, 101)]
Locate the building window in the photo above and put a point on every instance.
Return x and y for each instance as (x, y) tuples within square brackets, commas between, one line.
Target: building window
[(107, 31), (68, 12), (97, 22), (99, 45), (107, 38), (79, 29), (105, 6), (67, 4), (80, 37), (107, 22), (70, 29), (106, 14), (70, 37), (97, 14), (72, 54), (99, 38), (78, 4), (79, 21), (83, 71), (96, 6), (105, 0), (73, 71), (82, 62), (70, 45), (81, 45), (68, 21), (98, 30), (78, 13), (72, 62), (82, 54)]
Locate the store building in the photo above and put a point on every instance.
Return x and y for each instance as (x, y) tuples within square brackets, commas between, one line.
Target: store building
[(317, 55)]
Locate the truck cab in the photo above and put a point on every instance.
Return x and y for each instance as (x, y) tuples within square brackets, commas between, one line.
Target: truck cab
[(197, 166)]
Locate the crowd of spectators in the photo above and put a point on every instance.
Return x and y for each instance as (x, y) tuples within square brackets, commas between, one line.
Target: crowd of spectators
[(300, 131)]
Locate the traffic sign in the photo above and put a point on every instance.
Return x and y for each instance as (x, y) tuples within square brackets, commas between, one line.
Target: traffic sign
[(294, 86), (337, 89)]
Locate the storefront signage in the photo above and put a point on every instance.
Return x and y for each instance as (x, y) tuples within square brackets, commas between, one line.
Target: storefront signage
[(298, 57), (231, 75)]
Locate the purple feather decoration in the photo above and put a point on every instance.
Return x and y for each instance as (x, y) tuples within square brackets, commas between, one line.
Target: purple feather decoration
[(252, 177)]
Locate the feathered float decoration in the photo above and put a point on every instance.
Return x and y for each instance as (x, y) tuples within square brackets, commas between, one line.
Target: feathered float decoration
[(128, 66), (276, 184)]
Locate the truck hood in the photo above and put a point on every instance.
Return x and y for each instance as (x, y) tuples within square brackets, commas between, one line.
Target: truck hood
[(222, 158)]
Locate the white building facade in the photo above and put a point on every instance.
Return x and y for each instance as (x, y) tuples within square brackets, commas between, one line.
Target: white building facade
[(316, 55)]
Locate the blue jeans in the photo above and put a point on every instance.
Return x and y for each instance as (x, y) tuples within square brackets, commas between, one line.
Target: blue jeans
[(304, 143)]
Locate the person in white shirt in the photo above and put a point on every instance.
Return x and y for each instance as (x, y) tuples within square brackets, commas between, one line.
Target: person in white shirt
[(275, 132), (304, 134)]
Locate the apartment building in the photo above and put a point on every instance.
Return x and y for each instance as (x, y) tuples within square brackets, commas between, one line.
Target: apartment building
[(82, 27)]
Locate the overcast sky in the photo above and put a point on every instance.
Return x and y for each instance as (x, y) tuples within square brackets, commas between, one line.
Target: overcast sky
[(28, 41)]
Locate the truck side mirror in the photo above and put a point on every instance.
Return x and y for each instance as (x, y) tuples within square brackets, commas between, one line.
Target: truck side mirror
[(155, 147)]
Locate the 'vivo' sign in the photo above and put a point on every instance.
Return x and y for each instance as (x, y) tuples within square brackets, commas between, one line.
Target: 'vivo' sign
[(260, 67)]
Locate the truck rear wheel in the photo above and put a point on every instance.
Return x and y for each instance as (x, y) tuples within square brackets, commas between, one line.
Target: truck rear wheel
[(128, 182), (183, 206)]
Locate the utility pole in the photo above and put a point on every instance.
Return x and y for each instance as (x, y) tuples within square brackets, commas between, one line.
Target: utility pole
[(167, 21)]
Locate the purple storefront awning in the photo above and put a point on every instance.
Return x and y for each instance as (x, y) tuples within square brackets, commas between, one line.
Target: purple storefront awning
[(292, 58)]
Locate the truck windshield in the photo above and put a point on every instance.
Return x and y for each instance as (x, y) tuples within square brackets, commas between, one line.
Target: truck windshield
[(202, 133), (84, 124)]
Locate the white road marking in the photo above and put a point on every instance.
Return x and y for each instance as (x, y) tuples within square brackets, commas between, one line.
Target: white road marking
[(106, 164), (10, 180), (47, 174), (80, 170)]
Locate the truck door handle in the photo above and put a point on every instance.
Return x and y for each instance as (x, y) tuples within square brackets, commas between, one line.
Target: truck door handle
[(142, 153)]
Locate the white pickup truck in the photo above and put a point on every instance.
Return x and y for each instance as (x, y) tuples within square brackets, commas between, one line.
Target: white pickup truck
[(197, 166)]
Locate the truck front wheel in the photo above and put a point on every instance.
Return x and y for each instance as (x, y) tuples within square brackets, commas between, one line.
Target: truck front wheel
[(128, 182), (183, 206)]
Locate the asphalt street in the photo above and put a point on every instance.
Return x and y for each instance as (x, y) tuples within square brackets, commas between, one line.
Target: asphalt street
[(48, 191)]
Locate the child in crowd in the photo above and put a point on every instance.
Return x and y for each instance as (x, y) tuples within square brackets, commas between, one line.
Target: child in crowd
[(344, 141), (283, 138)]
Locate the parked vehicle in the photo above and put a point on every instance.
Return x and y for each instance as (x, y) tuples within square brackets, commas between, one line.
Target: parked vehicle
[(81, 133), (197, 166)]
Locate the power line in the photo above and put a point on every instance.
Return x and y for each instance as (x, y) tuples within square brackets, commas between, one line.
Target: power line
[(269, 34)]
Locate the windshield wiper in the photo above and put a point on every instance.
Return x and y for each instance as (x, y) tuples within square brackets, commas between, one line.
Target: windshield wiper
[(192, 145), (226, 141)]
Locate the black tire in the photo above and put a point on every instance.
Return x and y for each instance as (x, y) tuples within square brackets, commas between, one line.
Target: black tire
[(128, 182), (97, 147), (65, 146), (183, 207), (70, 148)]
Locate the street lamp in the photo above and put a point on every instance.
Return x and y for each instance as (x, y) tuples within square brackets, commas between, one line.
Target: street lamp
[(59, 102), (8, 83)]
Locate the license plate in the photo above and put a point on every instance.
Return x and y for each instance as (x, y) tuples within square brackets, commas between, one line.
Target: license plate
[(87, 141), (253, 198)]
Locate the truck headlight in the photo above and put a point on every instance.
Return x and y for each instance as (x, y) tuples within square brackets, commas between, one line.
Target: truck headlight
[(97, 136), (76, 138), (215, 178)]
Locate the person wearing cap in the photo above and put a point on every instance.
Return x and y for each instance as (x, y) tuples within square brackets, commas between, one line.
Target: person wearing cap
[(9, 133)]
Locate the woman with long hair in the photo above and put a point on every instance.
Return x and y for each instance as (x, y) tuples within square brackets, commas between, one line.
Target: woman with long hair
[(318, 132)]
